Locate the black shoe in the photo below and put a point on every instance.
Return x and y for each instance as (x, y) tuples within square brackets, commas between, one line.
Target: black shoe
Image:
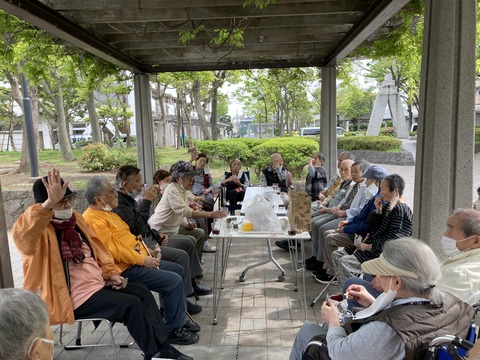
[(171, 353), (283, 244), (193, 308), (191, 326), (201, 290), (320, 272), (181, 336), (311, 260), (232, 212), (318, 265), (325, 279)]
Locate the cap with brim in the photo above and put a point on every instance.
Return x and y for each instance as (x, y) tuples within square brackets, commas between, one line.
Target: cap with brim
[(40, 193), (380, 266), (375, 172)]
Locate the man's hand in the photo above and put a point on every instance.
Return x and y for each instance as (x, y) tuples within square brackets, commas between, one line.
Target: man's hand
[(191, 225), (117, 281), (151, 193), (151, 262), (55, 190), (218, 214), (330, 313), (164, 239), (340, 213), (363, 247)]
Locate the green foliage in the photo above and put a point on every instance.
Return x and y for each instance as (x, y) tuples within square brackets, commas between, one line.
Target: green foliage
[(388, 131), (373, 143), (261, 4), (477, 135), (97, 157), (226, 150)]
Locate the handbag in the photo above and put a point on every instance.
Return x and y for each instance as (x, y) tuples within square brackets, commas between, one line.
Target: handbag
[(316, 348)]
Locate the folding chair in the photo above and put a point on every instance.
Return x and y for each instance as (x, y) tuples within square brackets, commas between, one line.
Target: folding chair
[(222, 194), (78, 337)]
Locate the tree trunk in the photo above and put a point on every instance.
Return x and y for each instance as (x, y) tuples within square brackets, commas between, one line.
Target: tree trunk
[(200, 110), (186, 110), (93, 116), (10, 136), (163, 116), (63, 136), (35, 115)]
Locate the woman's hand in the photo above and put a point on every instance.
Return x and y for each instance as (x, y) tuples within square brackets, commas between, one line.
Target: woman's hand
[(363, 247), (151, 262), (164, 239), (330, 313), (359, 294), (117, 282), (54, 187), (378, 204), (206, 191)]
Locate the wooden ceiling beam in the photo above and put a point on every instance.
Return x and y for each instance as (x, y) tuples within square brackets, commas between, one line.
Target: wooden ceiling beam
[(217, 12)]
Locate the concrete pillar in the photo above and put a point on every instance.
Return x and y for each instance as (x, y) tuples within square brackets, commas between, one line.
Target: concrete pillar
[(445, 137), (144, 123), (6, 276), (328, 120)]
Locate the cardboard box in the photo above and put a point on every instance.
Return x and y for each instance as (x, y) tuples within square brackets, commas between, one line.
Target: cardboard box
[(300, 210)]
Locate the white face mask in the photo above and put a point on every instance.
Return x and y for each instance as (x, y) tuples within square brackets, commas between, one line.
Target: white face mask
[(48, 341), (64, 214), (373, 188), (106, 207), (163, 187), (380, 303), (450, 246)]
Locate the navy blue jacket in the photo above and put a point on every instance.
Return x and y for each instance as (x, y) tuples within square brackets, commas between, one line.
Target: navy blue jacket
[(358, 225)]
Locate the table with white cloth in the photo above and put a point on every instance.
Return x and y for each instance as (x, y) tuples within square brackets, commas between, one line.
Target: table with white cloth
[(224, 242)]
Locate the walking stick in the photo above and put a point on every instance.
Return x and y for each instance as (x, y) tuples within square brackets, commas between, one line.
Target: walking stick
[(324, 289)]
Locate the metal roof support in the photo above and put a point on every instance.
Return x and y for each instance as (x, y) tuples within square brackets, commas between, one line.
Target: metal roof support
[(144, 124), (328, 119)]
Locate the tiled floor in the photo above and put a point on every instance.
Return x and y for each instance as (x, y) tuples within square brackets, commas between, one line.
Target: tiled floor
[(257, 319)]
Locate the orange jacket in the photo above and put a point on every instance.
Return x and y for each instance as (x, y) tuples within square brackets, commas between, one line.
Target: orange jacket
[(43, 268)]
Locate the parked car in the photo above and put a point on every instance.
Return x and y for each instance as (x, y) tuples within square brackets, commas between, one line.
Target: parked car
[(312, 131)]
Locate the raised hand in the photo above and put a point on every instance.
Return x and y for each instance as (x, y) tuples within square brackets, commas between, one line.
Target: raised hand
[(54, 187)]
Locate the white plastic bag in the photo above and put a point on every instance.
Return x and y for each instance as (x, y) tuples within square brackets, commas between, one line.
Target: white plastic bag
[(261, 213)]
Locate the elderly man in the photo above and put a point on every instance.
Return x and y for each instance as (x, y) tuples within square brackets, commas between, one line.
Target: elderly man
[(275, 173), (172, 211), (24, 328), (347, 229), (69, 267), (181, 249), (136, 263)]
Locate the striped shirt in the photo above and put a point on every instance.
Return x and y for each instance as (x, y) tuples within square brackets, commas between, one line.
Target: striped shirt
[(388, 225)]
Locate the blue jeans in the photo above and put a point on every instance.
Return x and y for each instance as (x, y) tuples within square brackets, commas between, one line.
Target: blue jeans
[(168, 282), (306, 332)]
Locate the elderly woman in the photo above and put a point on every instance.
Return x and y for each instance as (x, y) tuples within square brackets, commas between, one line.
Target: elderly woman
[(235, 182), (72, 271), (24, 328), (409, 314), (316, 177), (275, 173), (203, 183), (391, 219)]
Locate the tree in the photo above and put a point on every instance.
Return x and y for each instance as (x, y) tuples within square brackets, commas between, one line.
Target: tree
[(353, 102)]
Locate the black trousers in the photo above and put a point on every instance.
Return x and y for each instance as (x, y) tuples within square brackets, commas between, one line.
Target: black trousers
[(133, 306), (234, 197)]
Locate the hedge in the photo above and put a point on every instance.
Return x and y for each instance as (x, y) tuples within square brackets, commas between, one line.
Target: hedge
[(373, 143)]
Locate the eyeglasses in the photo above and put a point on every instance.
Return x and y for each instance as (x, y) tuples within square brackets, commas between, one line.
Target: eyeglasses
[(68, 202)]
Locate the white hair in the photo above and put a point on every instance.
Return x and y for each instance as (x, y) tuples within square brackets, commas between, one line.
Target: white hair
[(23, 317)]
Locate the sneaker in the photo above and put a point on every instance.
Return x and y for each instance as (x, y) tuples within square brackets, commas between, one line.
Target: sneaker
[(191, 326), (170, 353), (317, 266), (193, 308), (311, 260), (209, 248), (320, 272), (325, 279), (181, 336)]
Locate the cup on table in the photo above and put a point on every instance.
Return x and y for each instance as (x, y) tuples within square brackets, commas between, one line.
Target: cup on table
[(216, 227), (292, 231)]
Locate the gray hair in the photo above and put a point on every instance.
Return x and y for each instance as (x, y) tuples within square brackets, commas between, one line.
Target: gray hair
[(416, 256), (470, 221), (96, 186), (177, 175), (362, 164), (23, 317), (347, 155)]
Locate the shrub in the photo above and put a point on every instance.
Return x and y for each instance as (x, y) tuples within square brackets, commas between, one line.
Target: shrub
[(388, 131), (96, 157), (373, 143), (228, 149), (477, 135)]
